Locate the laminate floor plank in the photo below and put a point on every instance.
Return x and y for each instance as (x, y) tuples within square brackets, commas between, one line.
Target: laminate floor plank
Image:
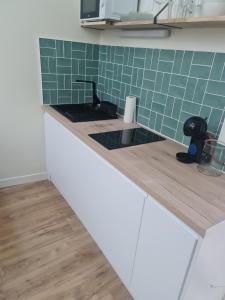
[(46, 253)]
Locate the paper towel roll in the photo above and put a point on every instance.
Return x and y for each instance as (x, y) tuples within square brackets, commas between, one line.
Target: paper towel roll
[(130, 109)]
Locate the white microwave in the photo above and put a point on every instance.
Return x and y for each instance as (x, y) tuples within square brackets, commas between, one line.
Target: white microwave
[(93, 10)]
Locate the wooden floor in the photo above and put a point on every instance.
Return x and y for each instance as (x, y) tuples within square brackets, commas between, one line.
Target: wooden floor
[(45, 252)]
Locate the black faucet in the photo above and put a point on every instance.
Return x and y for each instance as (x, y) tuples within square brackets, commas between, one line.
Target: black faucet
[(96, 100)]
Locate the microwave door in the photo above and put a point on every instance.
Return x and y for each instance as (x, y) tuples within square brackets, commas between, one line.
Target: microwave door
[(89, 9)]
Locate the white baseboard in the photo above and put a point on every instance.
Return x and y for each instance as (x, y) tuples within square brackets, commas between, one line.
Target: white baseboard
[(23, 179)]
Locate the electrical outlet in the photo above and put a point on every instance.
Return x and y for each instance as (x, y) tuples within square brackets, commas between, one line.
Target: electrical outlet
[(222, 133)]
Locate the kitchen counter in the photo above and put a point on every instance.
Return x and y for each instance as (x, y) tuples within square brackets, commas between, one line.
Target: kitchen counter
[(198, 200)]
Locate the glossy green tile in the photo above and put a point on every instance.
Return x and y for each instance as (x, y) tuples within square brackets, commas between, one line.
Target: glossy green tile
[(198, 71), (64, 98), (139, 62), (64, 70), (82, 67), (148, 84), (49, 85), (216, 87), (167, 55), (223, 75), (126, 79), (158, 81), (60, 81), (142, 120), (178, 62), (169, 106), (159, 108), (168, 132), (78, 46), (203, 58), (205, 111), (179, 132), (140, 74), (158, 122), (186, 62), (49, 43), (67, 49), (144, 112), (184, 116), (78, 54), (176, 91), (119, 50), (140, 52), (169, 122), (165, 83), (54, 98), (179, 80), (119, 59), (159, 98), (218, 66), (135, 91), (126, 53), (200, 91), (68, 82), (177, 108), (214, 118), (155, 58), (131, 57), (134, 76), (165, 66), (91, 72), (89, 51), (214, 101), (52, 65), (191, 107), (59, 49), (48, 52), (148, 60), (44, 65), (49, 77), (149, 99), (150, 75), (75, 66), (46, 96), (152, 120), (190, 88), (64, 62)]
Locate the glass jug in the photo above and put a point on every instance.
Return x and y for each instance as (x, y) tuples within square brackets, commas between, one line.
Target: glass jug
[(213, 158)]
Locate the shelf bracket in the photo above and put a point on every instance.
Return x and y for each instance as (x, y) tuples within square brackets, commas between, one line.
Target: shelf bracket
[(155, 20)]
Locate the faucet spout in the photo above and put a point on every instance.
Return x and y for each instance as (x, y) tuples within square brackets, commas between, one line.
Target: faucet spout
[(96, 100)]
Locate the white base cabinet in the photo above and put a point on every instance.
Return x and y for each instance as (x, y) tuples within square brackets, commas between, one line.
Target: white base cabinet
[(108, 204), (149, 248), (164, 254)]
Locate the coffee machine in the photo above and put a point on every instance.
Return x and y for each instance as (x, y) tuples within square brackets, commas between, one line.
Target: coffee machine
[(196, 128)]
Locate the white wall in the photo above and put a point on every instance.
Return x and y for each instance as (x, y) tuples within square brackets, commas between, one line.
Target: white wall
[(21, 118), (198, 39)]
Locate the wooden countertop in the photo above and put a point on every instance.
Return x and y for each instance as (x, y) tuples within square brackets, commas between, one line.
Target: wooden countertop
[(198, 200)]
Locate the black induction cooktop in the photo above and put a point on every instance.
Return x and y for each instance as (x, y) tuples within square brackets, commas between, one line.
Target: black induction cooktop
[(125, 138)]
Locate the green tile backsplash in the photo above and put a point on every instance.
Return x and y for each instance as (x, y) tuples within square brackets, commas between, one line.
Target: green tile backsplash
[(171, 85), (62, 63)]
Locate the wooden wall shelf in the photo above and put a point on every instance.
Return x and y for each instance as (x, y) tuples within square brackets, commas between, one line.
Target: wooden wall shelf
[(195, 22)]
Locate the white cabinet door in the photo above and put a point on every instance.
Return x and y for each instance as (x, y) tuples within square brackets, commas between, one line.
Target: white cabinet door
[(164, 253), (108, 204)]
